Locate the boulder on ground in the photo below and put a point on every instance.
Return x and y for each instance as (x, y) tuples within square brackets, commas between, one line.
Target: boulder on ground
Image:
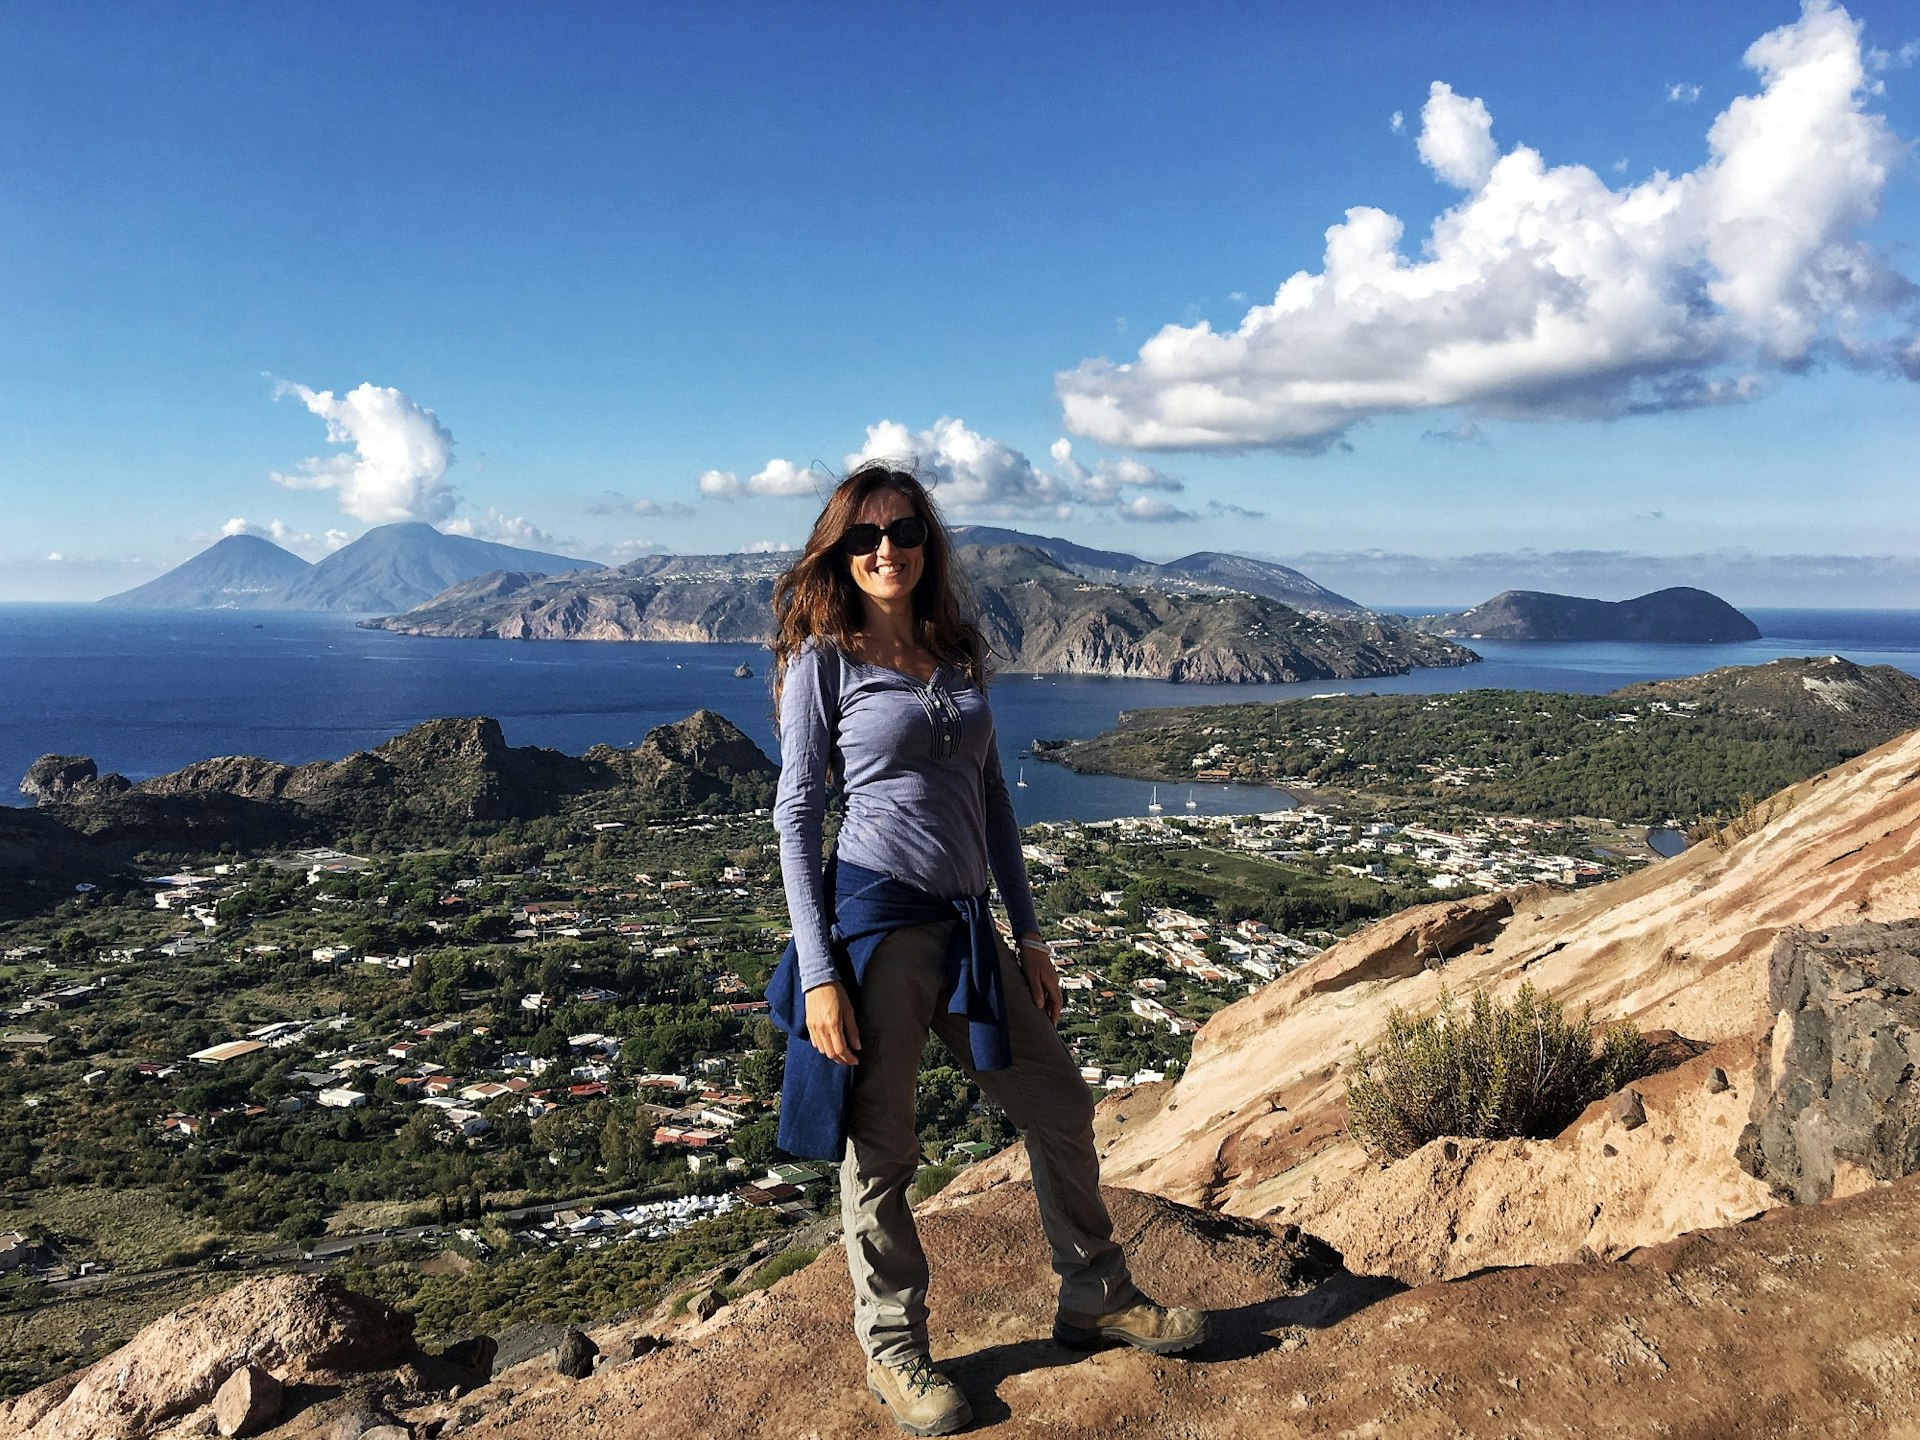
[(248, 1403), (559, 1347), (1834, 1102), (296, 1326)]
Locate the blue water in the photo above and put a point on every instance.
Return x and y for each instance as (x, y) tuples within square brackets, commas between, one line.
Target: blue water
[(147, 692)]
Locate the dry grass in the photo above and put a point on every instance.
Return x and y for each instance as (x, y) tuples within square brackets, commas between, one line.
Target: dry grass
[(131, 1229)]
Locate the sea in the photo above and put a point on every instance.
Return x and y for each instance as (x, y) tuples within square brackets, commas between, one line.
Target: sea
[(145, 692)]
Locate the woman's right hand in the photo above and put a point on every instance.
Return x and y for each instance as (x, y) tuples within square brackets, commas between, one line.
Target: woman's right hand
[(830, 1023)]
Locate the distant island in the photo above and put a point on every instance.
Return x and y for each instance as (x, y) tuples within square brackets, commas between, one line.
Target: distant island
[(391, 567), (1681, 615), (1040, 614)]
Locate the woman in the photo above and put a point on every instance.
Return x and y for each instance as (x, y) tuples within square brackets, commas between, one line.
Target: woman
[(880, 683)]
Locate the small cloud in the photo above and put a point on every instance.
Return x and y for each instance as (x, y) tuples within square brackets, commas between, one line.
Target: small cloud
[(1619, 166), (769, 547), (55, 556), (1683, 93), (1238, 512), (1650, 516), (1465, 433), (719, 484), (278, 531), (783, 480), (1883, 60), (633, 549), (1236, 297), (400, 453), (1397, 122), (336, 538), (1103, 483), (612, 502), (673, 509), (1146, 510), (502, 529)]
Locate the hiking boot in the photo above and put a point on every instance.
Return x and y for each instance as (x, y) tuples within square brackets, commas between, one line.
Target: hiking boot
[(1163, 1330), (921, 1399)]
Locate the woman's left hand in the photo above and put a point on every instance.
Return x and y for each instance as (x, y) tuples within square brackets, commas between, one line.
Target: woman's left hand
[(1043, 979)]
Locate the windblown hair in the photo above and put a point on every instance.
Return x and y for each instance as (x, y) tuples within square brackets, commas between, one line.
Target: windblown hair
[(817, 598)]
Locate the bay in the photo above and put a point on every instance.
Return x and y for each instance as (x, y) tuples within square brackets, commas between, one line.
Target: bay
[(145, 692)]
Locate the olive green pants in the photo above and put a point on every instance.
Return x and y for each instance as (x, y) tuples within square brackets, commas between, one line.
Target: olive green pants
[(900, 999)]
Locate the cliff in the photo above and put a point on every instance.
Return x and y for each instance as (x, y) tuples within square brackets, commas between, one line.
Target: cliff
[(1681, 615)]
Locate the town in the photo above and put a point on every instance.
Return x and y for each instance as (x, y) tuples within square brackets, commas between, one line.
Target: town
[(516, 1047)]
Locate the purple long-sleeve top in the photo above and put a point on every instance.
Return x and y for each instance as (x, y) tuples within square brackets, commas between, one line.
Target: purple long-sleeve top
[(926, 801)]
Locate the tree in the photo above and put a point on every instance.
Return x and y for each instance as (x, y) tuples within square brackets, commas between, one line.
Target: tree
[(761, 1072), (754, 1143)]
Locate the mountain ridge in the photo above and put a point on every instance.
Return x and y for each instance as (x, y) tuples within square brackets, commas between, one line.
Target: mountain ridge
[(1038, 615), (391, 567)]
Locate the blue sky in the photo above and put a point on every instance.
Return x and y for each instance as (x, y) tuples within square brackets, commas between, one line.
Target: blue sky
[(616, 249)]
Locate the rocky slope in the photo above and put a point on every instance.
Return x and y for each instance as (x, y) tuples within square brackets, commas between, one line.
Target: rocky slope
[(1255, 1126), (1681, 615), (441, 772), (1039, 616), (1203, 570), (1799, 1323)]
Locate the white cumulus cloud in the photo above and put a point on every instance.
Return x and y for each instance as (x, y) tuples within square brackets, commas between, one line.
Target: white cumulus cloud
[(1683, 93), (973, 474), (278, 531), (1544, 293), (977, 477), (506, 529), (396, 465)]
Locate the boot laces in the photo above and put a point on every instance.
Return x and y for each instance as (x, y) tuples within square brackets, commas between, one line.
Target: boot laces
[(919, 1375)]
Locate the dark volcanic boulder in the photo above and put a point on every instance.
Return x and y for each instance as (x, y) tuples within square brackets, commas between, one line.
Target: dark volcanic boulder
[(1834, 1095)]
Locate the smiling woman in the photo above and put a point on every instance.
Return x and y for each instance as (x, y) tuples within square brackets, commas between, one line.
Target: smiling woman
[(880, 680)]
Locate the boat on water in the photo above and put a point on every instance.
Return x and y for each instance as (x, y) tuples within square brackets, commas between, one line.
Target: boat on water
[(1021, 783), (1192, 804), (743, 671), (1154, 807)]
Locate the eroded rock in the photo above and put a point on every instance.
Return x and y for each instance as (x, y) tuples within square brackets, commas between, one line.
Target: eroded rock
[(1834, 1091), (248, 1403)]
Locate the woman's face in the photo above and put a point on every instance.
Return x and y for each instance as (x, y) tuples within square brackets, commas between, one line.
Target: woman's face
[(888, 575)]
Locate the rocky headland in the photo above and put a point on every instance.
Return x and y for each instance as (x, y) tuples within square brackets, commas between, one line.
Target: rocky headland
[(1631, 1275), (441, 773), (1038, 613)]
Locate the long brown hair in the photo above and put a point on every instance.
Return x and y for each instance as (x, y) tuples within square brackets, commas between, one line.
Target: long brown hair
[(817, 599)]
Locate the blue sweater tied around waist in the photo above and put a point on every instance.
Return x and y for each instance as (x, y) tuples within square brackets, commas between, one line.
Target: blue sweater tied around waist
[(868, 907)]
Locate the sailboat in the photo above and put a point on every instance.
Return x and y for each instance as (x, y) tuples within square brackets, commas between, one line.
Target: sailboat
[(1192, 804), (1021, 783), (1154, 807)]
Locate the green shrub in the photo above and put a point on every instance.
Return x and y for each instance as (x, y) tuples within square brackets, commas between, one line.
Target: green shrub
[(1497, 1072), (931, 1180), (779, 1267)]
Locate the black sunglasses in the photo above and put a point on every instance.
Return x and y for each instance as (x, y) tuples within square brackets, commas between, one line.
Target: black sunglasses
[(909, 532)]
